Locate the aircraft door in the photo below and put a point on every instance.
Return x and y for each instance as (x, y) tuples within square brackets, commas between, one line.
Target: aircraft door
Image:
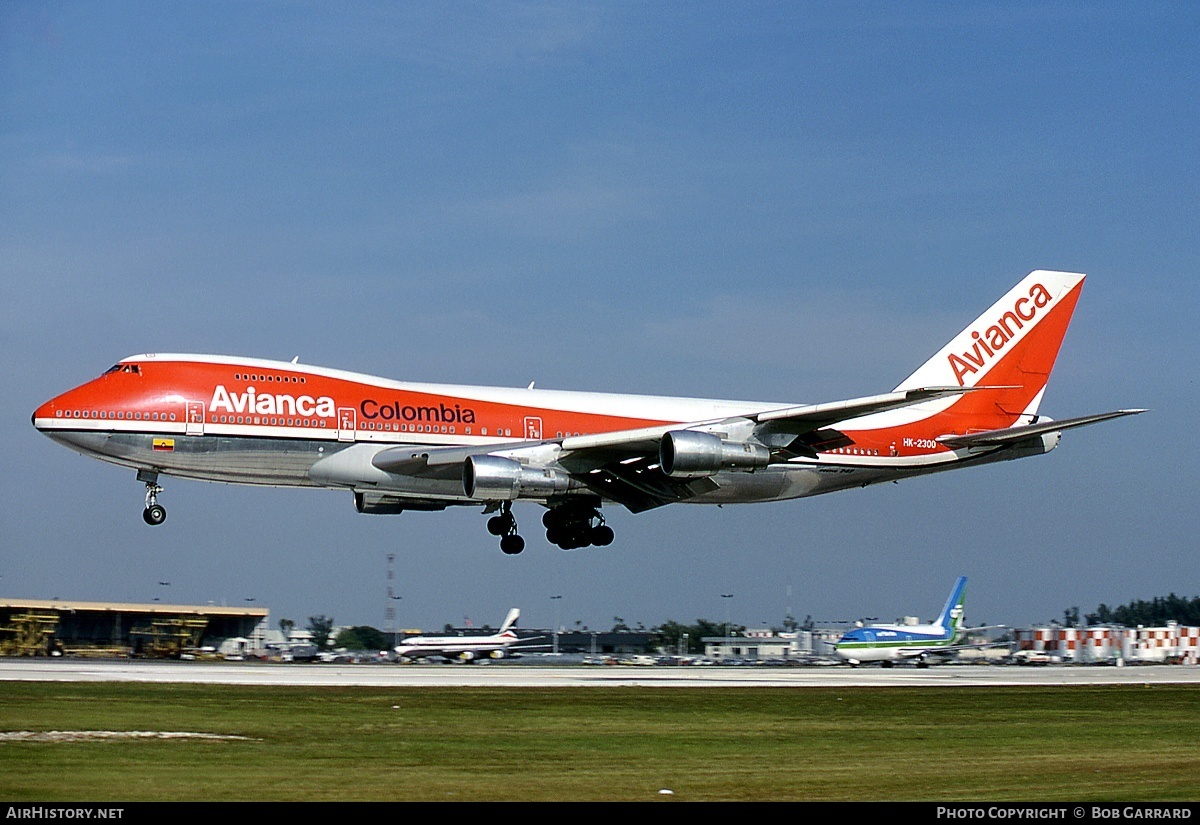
[(195, 418), (346, 424), (533, 428)]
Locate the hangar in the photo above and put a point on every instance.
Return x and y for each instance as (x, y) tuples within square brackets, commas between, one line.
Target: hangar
[(40, 627)]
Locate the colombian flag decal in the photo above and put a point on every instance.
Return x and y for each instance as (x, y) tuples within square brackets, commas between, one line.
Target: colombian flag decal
[(165, 445)]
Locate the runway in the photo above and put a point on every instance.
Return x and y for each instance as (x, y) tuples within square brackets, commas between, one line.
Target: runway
[(523, 675)]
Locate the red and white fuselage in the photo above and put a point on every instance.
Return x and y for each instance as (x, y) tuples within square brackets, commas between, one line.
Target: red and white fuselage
[(403, 445)]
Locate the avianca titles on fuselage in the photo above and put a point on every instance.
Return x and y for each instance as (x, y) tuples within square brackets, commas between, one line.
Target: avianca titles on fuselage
[(409, 446)]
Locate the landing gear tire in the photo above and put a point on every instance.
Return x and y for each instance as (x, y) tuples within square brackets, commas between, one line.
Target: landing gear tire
[(154, 515), (575, 524), (505, 526)]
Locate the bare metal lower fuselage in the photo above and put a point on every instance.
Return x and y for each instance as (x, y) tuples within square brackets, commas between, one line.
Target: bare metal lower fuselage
[(325, 463)]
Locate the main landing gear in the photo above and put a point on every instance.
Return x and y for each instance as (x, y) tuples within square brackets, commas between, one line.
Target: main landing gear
[(505, 526), (154, 514), (569, 524), (576, 524)]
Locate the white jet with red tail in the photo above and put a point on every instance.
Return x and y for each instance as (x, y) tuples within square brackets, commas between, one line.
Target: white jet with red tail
[(465, 648)]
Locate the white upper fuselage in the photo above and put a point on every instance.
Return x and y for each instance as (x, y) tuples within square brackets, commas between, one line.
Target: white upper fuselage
[(452, 646), (880, 643)]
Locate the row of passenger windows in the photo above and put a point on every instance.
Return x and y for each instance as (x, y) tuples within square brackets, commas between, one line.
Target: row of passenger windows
[(132, 416), (854, 451), (289, 422), (410, 428), (274, 422), (285, 379)]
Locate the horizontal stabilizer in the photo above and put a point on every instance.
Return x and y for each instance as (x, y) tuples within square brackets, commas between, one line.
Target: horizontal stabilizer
[(1011, 435)]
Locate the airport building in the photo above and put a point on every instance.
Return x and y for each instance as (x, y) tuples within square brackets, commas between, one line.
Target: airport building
[(592, 642), (40, 627), (767, 644)]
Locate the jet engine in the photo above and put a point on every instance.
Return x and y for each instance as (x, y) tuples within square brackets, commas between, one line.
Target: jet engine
[(492, 478), (689, 454)]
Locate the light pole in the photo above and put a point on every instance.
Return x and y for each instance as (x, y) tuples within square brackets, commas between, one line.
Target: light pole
[(391, 614), (557, 612), (726, 597), (389, 610)]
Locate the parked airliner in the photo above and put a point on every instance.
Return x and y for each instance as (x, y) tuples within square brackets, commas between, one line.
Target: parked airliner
[(400, 446), (464, 648), (891, 642)]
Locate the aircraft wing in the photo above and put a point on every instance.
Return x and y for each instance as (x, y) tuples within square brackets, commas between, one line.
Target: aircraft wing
[(810, 417), (437, 462), (1011, 435), (942, 651), (622, 466)]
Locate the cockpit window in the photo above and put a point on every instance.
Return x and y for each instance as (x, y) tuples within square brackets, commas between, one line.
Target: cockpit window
[(131, 368)]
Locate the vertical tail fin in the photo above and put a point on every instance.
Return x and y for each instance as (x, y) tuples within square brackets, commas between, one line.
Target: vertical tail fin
[(1013, 344), (952, 614), (510, 619)]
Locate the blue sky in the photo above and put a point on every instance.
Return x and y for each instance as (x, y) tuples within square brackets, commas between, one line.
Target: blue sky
[(773, 201)]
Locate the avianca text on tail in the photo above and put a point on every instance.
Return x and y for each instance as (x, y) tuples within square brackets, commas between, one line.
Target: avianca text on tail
[(398, 446), (991, 343)]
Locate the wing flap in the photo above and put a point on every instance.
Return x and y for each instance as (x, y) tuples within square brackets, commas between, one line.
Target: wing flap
[(641, 485)]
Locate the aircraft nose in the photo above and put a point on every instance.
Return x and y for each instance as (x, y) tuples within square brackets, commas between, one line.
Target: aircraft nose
[(43, 414), (50, 416)]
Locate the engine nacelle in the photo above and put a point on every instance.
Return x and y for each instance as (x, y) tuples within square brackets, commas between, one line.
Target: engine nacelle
[(491, 478), (689, 454)]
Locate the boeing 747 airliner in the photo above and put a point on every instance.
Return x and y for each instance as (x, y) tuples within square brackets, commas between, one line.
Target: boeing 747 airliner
[(399, 445)]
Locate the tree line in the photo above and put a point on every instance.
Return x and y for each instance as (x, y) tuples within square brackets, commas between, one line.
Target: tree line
[(1155, 612), (670, 635)]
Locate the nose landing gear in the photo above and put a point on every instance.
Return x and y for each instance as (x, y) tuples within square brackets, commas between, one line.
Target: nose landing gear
[(154, 514), (505, 526)]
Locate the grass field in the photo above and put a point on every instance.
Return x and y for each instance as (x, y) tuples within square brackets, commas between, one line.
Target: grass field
[(1028, 744)]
